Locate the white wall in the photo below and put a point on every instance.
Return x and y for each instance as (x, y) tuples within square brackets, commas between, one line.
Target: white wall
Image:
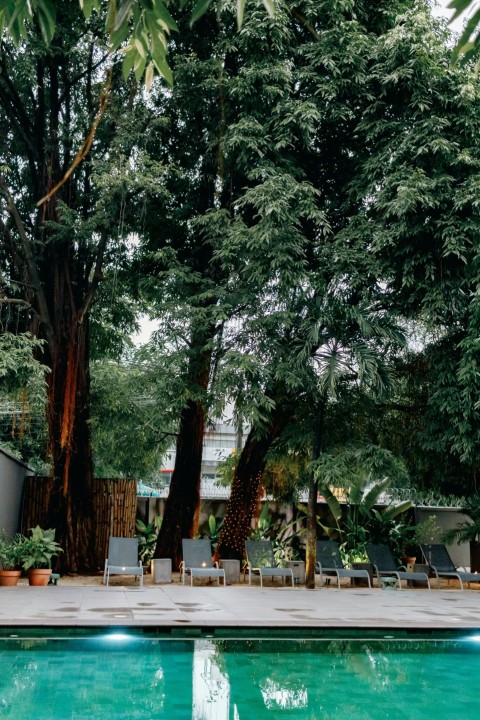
[(12, 477), (447, 519)]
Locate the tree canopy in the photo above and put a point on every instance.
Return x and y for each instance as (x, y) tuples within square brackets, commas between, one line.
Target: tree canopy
[(302, 199)]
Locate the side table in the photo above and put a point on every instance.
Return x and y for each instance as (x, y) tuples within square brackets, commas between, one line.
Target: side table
[(298, 571), (161, 569), (232, 571)]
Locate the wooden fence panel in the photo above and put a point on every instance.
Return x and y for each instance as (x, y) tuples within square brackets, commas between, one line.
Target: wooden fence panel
[(114, 508)]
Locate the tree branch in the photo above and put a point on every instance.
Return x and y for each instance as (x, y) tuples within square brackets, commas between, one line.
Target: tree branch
[(97, 276), (32, 269), (85, 149)]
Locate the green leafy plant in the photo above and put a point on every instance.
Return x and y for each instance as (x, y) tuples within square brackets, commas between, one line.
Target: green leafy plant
[(214, 527), (11, 551), (284, 540), (358, 521), (427, 531), (38, 550), (147, 538)]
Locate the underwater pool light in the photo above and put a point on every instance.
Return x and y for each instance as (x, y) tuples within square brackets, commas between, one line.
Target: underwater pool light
[(473, 638), (118, 637)]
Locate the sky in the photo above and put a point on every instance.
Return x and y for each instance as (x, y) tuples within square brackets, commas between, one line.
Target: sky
[(442, 10)]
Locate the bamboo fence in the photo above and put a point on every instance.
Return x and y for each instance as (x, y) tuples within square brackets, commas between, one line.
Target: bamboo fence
[(114, 509)]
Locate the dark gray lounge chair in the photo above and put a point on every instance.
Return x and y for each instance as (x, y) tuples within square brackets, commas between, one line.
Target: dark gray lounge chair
[(197, 561), (384, 564), (122, 559), (440, 562), (329, 562), (260, 559)]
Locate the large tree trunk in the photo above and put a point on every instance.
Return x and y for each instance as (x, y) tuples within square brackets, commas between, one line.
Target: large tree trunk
[(183, 502), (246, 485), (60, 271), (70, 508)]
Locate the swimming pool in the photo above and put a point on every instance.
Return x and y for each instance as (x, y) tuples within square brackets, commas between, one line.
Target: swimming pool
[(118, 674)]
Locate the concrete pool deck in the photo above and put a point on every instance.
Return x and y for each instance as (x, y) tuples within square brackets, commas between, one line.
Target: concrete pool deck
[(237, 606)]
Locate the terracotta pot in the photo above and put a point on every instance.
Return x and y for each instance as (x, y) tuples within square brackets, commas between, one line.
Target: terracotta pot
[(39, 576), (9, 578)]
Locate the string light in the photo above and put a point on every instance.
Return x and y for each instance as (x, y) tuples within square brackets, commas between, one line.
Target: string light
[(235, 529)]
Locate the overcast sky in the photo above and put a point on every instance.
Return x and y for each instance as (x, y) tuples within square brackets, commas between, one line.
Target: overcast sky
[(442, 9)]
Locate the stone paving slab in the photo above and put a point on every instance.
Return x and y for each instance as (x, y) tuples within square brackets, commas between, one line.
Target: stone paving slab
[(175, 605)]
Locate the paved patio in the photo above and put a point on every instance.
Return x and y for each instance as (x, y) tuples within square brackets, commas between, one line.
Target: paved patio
[(170, 606)]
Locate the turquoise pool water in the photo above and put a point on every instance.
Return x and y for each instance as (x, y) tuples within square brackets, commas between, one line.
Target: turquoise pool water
[(115, 676)]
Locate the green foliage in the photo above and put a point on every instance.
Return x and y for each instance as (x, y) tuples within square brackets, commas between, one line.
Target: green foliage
[(139, 29), (427, 531), (226, 468), (147, 538), (285, 540), (130, 419), (212, 529), (468, 43), (18, 367), (38, 550), (358, 521), (11, 551), (23, 398)]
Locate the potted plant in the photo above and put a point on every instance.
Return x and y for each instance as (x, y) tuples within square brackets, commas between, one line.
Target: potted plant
[(425, 532), (37, 553), (10, 559)]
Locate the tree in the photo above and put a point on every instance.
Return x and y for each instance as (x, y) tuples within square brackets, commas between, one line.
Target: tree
[(182, 283), (308, 270), (194, 233), (53, 256), (422, 218), (468, 43), (139, 29)]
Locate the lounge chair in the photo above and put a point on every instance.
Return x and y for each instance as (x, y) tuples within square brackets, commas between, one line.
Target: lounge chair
[(440, 562), (384, 565), (261, 560), (122, 559), (197, 561), (329, 562)]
